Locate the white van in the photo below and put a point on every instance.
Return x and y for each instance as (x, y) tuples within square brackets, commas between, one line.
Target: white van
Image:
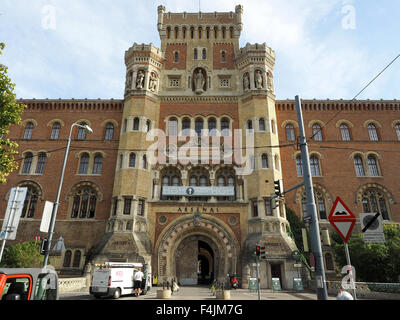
[(114, 279)]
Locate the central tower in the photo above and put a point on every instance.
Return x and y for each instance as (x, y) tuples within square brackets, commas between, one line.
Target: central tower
[(200, 86)]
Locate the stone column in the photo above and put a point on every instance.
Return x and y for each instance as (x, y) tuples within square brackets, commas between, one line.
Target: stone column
[(252, 84)]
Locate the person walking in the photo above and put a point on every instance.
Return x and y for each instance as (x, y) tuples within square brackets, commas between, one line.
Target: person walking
[(138, 278)]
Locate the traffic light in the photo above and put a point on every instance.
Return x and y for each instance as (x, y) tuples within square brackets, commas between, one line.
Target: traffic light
[(258, 250), (43, 246), (263, 253), (278, 187)]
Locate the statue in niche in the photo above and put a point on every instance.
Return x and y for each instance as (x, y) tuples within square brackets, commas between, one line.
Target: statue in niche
[(140, 80), (129, 81), (270, 83), (153, 82), (246, 82), (258, 79), (199, 81)]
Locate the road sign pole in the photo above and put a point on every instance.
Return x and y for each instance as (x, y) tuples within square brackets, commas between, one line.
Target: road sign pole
[(322, 292), (352, 280)]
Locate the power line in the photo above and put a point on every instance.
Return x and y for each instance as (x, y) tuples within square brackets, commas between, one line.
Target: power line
[(361, 91)]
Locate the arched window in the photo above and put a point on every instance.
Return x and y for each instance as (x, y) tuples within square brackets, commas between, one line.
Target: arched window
[(225, 127), (212, 126), (84, 163), (223, 56), (345, 132), (314, 165), (186, 127), (373, 201), (170, 177), (81, 132), (359, 166), (28, 131), (299, 166), (373, 166), (176, 56), (373, 132), (67, 259), (55, 131), (397, 129), (84, 203), (317, 132), (109, 132), (30, 203), (121, 161), (77, 259), (195, 56), (261, 124), (226, 177), (320, 204), (26, 168), (198, 126), (173, 127), (40, 163), (193, 181), (204, 54), (97, 164), (132, 160), (329, 262), (147, 126), (250, 124), (264, 161), (290, 136), (136, 124), (144, 162)]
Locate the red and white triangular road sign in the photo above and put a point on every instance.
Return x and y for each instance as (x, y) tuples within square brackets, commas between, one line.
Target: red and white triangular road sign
[(344, 228), (342, 219), (340, 211)]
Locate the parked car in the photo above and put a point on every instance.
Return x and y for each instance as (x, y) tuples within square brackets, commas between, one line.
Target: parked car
[(28, 284)]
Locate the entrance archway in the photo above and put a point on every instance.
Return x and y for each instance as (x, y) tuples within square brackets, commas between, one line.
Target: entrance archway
[(197, 251)]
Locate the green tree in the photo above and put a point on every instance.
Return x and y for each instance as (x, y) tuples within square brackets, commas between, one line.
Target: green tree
[(22, 255), (373, 262), (295, 228), (10, 113)]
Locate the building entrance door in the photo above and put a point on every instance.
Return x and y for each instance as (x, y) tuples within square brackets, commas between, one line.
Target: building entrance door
[(194, 260), (276, 271)]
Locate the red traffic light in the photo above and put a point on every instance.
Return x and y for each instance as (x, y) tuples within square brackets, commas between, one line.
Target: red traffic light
[(258, 250)]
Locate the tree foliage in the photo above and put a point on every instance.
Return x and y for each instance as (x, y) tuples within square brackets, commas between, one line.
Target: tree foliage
[(10, 113), (373, 262), (22, 255)]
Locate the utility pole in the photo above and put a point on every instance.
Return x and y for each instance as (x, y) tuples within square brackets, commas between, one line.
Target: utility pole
[(311, 216)]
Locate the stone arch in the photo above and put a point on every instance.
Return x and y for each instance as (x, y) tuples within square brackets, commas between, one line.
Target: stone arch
[(362, 188), (81, 184), (28, 183), (321, 188), (212, 231)]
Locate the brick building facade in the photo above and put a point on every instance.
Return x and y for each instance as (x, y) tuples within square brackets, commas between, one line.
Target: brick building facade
[(199, 88)]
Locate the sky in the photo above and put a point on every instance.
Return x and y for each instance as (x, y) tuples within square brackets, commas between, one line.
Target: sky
[(325, 49)]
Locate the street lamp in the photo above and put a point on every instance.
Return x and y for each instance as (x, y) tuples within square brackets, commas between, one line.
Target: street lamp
[(55, 206)]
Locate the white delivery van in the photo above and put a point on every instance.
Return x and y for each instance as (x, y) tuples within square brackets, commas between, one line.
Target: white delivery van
[(114, 279)]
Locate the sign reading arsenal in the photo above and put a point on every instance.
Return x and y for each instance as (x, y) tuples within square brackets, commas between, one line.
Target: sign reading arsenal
[(342, 219)]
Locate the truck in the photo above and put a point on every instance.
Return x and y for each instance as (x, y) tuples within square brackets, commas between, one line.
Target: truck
[(28, 284), (114, 279)]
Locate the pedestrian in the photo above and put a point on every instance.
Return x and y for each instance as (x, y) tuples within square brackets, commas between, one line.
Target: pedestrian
[(137, 285), (344, 295)]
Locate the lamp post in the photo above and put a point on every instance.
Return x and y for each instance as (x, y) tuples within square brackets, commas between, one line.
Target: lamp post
[(55, 206)]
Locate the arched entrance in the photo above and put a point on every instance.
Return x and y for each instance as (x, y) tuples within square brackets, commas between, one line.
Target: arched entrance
[(197, 251), (194, 260)]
